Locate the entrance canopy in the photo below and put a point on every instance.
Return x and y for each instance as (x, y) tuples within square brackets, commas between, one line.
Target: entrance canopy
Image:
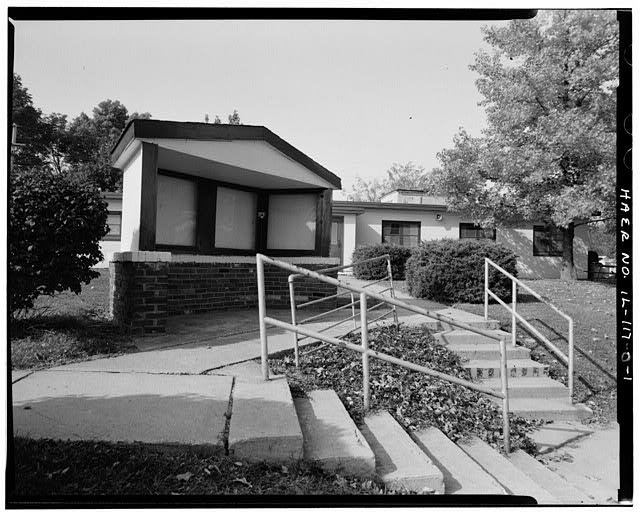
[(239, 154), (220, 189)]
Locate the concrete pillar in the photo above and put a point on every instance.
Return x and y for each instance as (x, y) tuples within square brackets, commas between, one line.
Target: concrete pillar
[(349, 238)]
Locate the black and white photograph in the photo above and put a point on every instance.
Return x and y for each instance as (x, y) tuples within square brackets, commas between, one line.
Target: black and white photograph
[(285, 257)]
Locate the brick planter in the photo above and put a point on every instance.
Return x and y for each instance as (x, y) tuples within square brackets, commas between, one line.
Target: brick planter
[(148, 287)]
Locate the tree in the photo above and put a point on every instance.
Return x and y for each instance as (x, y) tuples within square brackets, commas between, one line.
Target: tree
[(92, 140), (548, 152), (399, 176), (234, 119), (55, 228), (217, 120)]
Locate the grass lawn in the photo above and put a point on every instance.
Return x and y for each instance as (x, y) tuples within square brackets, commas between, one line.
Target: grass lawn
[(592, 307), (46, 468), (66, 328)]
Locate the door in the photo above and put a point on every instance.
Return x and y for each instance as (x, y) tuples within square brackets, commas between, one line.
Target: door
[(337, 235)]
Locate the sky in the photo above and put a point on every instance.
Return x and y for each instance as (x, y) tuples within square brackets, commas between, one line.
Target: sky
[(356, 96)]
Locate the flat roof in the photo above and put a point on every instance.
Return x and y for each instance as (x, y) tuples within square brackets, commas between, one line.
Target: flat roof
[(345, 205), (163, 129)]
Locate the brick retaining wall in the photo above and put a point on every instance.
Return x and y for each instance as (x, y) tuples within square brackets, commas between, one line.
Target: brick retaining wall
[(148, 287)]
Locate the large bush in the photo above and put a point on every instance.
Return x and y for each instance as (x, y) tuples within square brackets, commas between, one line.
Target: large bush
[(452, 271), (55, 227), (378, 269)]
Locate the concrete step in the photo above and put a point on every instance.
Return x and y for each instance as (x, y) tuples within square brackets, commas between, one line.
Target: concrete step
[(464, 317), (399, 462), (466, 336), (518, 368), (462, 475), (504, 471), (549, 409), (562, 490), (264, 425), (528, 387), (554, 435), (487, 351), (331, 438)]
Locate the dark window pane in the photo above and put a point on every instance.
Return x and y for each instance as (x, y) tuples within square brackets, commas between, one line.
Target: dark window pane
[(547, 241), (402, 233), (471, 231)]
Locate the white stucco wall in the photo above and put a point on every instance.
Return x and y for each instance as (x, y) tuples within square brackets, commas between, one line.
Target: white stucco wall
[(349, 238), (131, 202), (520, 240), (369, 224)]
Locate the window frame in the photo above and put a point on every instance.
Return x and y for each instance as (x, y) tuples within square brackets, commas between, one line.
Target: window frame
[(205, 223), (548, 253), (407, 223), (476, 227), (109, 236)]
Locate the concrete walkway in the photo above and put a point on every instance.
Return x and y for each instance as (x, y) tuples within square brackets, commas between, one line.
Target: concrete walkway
[(159, 393)]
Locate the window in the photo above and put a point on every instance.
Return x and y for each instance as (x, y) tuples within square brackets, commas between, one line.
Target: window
[(176, 214), (292, 222), (402, 233), (114, 222), (236, 213), (472, 231), (547, 241)]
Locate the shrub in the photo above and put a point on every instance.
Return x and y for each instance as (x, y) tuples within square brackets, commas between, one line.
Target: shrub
[(55, 227), (452, 271), (378, 269)]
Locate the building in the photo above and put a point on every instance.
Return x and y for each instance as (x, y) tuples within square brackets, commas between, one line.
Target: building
[(199, 201), (406, 217)]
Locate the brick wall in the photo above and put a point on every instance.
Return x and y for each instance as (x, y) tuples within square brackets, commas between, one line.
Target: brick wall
[(148, 287), (199, 287)]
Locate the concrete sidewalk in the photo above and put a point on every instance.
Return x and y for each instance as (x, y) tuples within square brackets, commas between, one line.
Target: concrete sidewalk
[(176, 389)]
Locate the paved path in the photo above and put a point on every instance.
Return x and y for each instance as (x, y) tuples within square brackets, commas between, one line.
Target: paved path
[(176, 388)]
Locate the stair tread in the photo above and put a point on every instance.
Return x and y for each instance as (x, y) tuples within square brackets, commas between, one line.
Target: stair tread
[(544, 381), (330, 436), (558, 486), (513, 363), (506, 473), (548, 408), (399, 462), (547, 404), (462, 475), (264, 425)]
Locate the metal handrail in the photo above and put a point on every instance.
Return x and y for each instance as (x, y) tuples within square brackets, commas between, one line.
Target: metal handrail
[(364, 348), (515, 316), (294, 308)]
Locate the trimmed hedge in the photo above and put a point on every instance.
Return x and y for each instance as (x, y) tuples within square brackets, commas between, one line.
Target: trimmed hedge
[(378, 269), (451, 271)]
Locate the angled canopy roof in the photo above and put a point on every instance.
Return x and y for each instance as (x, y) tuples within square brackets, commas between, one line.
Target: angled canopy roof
[(227, 151)]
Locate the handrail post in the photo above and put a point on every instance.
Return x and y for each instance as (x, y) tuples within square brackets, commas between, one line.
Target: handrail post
[(365, 354), (292, 300), (262, 312), (353, 311), (505, 393), (486, 289), (570, 381), (514, 299), (393, 293)]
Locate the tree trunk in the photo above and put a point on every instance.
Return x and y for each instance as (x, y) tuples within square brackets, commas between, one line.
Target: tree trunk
[(568, 269)]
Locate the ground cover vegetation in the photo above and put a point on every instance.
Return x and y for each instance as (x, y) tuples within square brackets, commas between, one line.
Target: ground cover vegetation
[(415, 400), (46, 468), (67, 327), (592, 307)]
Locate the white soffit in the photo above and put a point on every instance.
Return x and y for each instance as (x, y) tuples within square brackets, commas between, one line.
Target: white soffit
[(254, 156)]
